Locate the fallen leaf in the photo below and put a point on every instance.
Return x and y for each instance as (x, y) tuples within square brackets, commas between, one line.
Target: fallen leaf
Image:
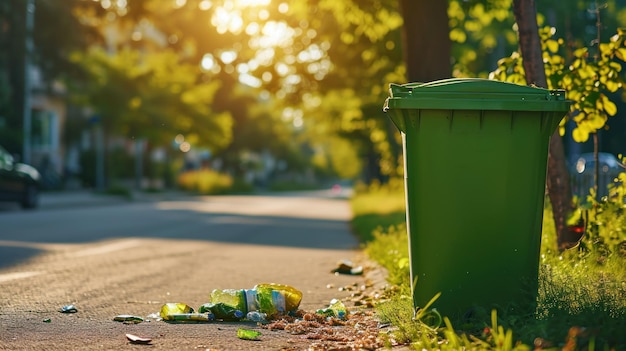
[(137, 339)]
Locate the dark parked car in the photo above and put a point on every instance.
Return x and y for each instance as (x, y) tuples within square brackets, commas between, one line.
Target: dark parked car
[(19, 182)]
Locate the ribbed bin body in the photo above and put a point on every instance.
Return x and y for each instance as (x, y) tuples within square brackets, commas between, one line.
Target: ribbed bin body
[(475, 156)]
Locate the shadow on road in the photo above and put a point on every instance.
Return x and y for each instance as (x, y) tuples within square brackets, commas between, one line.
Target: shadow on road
[(252, 220), (12, 255)]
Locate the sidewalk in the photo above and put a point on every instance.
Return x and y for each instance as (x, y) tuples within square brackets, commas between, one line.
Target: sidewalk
[(87, 197), (81, 198)]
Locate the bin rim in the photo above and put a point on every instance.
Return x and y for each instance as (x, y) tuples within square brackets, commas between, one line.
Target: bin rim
[(475, 94)]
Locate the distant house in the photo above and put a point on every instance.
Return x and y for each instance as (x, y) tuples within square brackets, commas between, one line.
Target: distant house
[(48, 116)]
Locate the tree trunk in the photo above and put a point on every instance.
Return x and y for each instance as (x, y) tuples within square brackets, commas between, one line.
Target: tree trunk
[(427, 45), (557, 181)]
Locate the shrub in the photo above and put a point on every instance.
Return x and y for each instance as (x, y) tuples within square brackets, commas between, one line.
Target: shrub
[(204, 181)]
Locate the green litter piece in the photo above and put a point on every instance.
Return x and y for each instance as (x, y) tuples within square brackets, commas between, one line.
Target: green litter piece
[(47, 320), (246, 334), (174, 308), (189, 317), (128, 319), (68, 309)]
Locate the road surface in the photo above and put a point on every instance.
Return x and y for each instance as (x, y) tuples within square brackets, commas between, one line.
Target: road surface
[(132, 257)]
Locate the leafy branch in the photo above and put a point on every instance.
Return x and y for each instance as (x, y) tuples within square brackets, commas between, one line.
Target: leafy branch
[(587, 81)]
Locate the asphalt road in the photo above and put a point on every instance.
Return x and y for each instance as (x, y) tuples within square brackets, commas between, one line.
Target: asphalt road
[(306, 219), (122, 257)]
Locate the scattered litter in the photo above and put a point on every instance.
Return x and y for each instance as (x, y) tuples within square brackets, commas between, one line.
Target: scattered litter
[(134, 339), (174, 308), (335, 309), (47, 320), (128, 319), (193, 317), (222, 311), (182, 313), (347, 267), (68, 309), (256, 316), (154, 316), (270, 298), (246, 334)]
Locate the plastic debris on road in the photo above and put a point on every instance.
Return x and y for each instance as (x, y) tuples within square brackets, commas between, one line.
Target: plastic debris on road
[(181, 313), (47, 320), (268, 298), (134, 339), (262, 302), (154, 316), (256, 316), (335, 309), (68, 309), (347, 267), (128, 319), (174, 307), (189, 317), (246, 334), (222, 311)]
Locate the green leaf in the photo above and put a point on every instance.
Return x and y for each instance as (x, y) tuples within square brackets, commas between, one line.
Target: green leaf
[(403, 262), (556, 60), (605, 48), (616, 66), (579, 135), (458, 35), (609, 107), (612, 86), (579, 117), (621, 53), (552, 45), (580, 53), (586, 72), (595, 122)]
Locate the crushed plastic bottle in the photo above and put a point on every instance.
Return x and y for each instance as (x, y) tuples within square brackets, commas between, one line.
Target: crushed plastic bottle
[(222, 311), (275, 298), (268, 298), (243, 300), (335, 309)]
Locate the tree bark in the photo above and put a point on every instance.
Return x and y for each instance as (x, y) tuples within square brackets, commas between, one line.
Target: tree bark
[(427, 46), (557, 181)]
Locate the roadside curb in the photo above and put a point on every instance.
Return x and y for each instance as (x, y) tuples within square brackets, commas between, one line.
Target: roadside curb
[(55, 200)]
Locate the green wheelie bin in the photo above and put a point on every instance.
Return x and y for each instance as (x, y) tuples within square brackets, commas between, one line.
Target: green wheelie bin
[(475, 160)]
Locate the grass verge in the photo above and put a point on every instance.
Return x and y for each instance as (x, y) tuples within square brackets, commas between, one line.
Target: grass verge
[(581, 298)]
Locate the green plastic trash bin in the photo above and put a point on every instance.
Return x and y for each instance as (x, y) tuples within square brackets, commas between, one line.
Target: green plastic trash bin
[(475, 158)]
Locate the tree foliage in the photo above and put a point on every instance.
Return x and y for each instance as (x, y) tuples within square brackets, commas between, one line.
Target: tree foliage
[(589, 80), (303, 71), (154, 97)]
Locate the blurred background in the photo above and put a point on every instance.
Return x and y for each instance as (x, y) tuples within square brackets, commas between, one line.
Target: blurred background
[(232, 95)]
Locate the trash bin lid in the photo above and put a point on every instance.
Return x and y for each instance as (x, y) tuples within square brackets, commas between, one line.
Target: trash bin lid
[(474, 94)]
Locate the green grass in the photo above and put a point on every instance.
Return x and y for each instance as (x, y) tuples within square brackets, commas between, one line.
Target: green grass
[(581, 299), (376, 208)]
